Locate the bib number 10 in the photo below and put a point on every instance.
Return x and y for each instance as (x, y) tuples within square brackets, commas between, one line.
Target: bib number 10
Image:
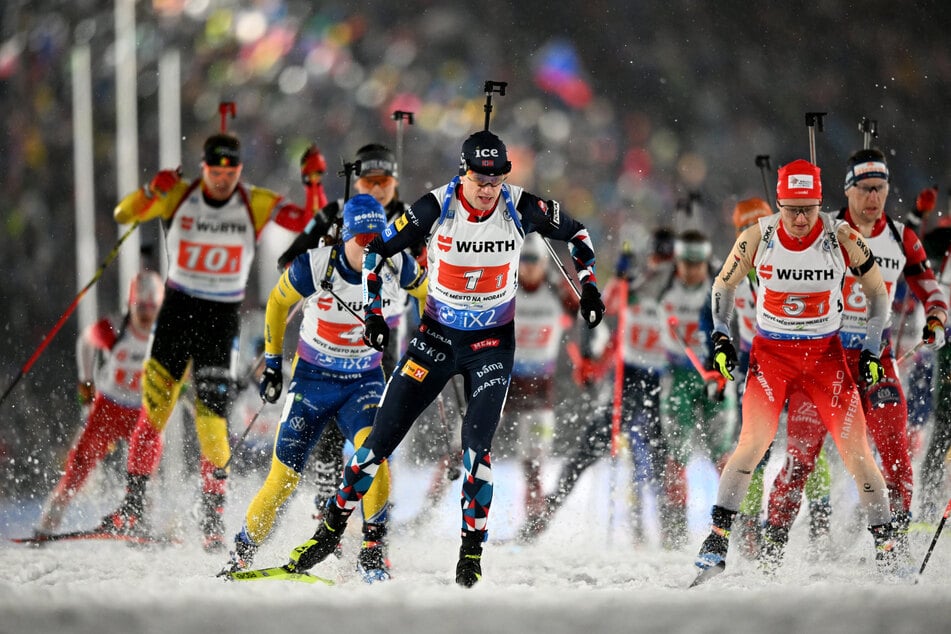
[(209, 258)]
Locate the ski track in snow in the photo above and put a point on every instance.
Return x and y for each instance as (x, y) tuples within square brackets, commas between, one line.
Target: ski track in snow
[(578, 577)]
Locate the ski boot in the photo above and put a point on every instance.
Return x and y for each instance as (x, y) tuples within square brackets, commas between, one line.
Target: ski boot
[(324, 541), (127, 519), (212, 522), (711, 560), (242, 556), (891, 559), (774, 546), (469, 567), (372, 562), (820, 531)]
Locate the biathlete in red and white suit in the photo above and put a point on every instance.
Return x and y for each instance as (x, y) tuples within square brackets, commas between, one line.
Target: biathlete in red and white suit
[(800, 256), (110, 354), (898, 252), (476, 226)]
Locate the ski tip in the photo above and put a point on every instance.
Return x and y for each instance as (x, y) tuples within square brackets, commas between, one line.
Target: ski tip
[(706, 574)]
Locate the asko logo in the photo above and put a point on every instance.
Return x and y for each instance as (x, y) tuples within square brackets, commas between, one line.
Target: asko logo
[(765, 272), (444, 243), (486, 153)]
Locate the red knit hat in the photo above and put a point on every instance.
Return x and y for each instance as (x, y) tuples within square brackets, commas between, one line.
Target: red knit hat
[(799, 179)]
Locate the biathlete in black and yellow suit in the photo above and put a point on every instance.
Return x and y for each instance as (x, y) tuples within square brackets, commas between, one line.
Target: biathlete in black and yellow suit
[(337, 377), (212, 225)]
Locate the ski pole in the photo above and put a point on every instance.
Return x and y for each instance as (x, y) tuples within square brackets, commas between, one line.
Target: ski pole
[(561, 267), (762, 162), (934, 540), (707, 375), (910, 353), (48, 337), (490, 88), (813, 120), (224, 109), (327, 285), (398, 116)]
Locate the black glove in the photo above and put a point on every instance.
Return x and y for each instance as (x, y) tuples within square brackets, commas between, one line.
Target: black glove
[(870, 368), (272, 381), (376, 333), (592, 308), (724, 355)]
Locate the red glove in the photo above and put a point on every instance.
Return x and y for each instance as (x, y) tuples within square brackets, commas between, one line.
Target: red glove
[(163, 182), (926, 200), (312, 165)]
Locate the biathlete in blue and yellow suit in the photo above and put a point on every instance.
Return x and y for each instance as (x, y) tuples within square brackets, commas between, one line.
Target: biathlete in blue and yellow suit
[(212, 226), (336, 375)]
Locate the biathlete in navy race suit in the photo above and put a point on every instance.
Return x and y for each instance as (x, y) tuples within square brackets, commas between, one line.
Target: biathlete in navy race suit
[(476, 226), (800, 256), (898, 252), (212, 225)]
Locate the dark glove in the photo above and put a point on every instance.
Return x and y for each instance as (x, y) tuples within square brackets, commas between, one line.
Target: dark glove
[(933, 334), (625, 260), (86, 392), (272, 381), (870, 368), (724, 355), (163, 182), (926, 200), (312, 165), (376, 333), (592, 308)]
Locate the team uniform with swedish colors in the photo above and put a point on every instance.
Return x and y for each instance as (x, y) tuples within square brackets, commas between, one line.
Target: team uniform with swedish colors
[(336, 377), (476, 226), (212, 225)]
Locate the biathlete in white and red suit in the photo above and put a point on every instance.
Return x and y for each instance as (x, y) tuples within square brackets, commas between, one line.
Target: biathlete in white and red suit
[(801, 256), (476, 225), (898, 252), (109, 354)]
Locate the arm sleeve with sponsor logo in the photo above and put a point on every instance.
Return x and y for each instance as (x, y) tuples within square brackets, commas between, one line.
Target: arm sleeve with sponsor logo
[(267, 205), (858, 256), (547, 219), (735, 268)]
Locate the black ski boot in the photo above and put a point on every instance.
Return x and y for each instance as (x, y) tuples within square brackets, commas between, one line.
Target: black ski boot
[(469, 567), (372, 562), (212, 522), (711, 560), (774, 546), (242, 556), (820, 531), (891, 558), (128, 518), (325, 540)]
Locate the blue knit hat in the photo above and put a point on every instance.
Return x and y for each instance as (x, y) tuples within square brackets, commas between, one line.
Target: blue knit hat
[(362, 214)]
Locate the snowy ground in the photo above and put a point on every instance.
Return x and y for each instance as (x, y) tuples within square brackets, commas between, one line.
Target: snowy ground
[(578, 577)]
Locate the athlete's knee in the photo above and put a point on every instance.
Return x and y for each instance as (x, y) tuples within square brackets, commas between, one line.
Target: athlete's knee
[(159, 393), (213, 387)]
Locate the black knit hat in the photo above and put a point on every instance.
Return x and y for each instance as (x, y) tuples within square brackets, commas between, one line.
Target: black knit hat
[(222, 150), (377, 158)]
